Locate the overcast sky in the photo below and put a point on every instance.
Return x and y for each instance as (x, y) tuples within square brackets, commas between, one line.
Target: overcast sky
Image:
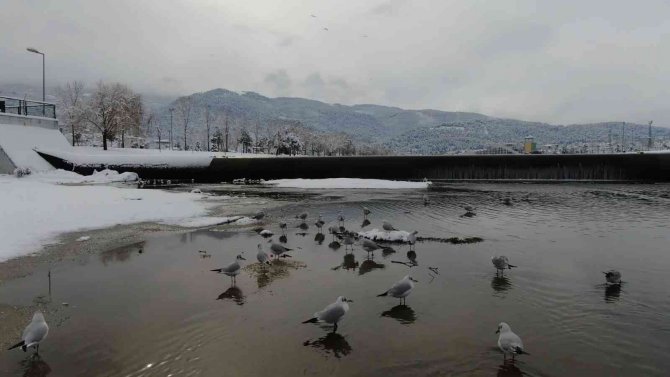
[(567, 61)]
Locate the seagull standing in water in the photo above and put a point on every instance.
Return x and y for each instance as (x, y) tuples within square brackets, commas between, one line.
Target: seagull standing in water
[(425, 199), (348, 242), (411, 239), (501, 263), (332, 313), (340, 219), (303, 216), (370, 246), (387, 226), (319, 223), (258, 215), (232, 269), (366, 212), (509, 342), (33, 334), (262, 256), (400, 289), (278, 249), (613, 277), (282, 226)]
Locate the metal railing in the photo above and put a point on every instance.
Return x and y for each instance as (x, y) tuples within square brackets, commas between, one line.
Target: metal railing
[(26, 107)]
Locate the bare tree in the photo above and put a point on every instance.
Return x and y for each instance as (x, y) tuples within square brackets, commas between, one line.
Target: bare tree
[(184, 106), (71, 99), (207, 123), (108, 109)]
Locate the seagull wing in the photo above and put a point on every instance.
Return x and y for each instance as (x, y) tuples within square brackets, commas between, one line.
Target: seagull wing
[(35, 332), (400, 288), (331, 313), (510, 342)]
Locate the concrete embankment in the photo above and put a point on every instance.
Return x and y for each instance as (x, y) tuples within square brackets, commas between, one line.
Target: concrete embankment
[(646, 167)]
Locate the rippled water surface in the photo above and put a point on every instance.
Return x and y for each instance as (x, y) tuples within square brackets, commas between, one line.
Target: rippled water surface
[(161, 312)]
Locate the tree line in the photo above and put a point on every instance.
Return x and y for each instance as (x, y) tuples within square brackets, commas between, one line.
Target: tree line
[(112, 113)]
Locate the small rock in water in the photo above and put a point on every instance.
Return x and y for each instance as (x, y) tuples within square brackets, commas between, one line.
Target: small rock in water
[(83, 238), (196, 191)]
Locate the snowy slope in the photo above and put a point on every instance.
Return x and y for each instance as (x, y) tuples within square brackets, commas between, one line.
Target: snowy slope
[(346, 183), (18, 143)]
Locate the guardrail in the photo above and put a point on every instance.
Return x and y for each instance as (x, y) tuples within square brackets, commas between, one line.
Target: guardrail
[(26, 107)]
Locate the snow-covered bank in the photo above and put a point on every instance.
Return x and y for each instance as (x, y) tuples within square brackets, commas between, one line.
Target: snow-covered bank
[(347, 183), (35, 210), (99, 177)]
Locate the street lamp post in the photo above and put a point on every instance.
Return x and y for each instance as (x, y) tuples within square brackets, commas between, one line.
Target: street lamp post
[(30, 49), (171, 111)]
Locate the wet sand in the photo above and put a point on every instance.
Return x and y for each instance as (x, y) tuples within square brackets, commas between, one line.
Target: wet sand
[(162, 311)]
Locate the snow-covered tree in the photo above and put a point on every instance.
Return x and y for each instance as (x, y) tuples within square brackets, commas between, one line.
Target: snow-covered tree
[(184, 106), (72, 105), (110, 108), (245, 140)]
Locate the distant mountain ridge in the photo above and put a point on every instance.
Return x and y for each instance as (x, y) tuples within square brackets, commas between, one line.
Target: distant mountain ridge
[(407, 131)]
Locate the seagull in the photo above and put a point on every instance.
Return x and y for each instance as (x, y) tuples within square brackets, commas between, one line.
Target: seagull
[(370, 246), (258, 215), (348, 241), (282, 226), (332, 313), (340, 219), (501, 263), (509, 342), (313, 16), (366, 212), (400, 289), (613, 277), (325, 28), (411, 239), (387, 226), (319, 223), (278, 249), (425, 199), (232, 269), (33, 334), (469, 208), (262, 256), (303, 216)]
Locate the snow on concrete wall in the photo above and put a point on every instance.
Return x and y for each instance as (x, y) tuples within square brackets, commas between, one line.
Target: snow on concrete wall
[(17, 143)]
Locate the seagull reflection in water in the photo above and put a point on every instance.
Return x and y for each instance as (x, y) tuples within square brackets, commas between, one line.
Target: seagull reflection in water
[(401, 313), (369, 265), (319, 237), (501, 283), (35, 366), (612, 292), (234, 294), (509, 369), (332, 343)]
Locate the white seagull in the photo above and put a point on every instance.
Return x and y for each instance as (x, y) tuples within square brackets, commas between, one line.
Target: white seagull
[(387, 226), (370, 246), (332, 313), (613, 277), (262, 256), (278, 249), (232, 269), (411, 239), (400, 289), (33, 334), (501, 263), (366, 212), (509, 342), (348, 241)]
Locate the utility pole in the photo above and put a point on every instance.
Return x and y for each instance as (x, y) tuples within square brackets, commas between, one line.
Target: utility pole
[(171, 111), (159, 137), (207, 121), (609, 137), (226, 132), (650, 143)]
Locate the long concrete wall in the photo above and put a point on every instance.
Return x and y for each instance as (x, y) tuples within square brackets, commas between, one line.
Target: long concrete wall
[(614, 167)]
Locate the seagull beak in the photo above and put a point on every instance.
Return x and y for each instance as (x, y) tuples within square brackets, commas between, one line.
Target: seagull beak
[(414, 280), (347, 300), (243, 258)]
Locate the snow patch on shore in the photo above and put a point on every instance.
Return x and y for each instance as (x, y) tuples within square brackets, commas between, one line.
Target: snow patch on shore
[(382, 235), (347, 183), (36, 210)]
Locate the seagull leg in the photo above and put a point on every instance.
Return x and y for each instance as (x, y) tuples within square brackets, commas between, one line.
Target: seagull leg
[(335, 328)]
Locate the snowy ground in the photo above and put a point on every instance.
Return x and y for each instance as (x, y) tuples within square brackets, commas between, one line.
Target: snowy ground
[(347, 183), (36, 209)]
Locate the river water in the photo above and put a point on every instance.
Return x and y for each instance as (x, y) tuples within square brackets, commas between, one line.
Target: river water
[(155, 309)]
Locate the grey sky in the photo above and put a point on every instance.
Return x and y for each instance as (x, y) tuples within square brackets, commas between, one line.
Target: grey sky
[(564, 61)]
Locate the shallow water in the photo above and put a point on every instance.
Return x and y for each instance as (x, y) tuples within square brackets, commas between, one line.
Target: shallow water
[(162, 312)]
